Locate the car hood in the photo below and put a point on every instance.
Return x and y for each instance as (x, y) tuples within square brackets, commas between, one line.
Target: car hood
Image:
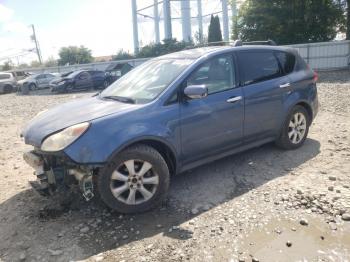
[(68, 114), (59, 79), (29, 79)]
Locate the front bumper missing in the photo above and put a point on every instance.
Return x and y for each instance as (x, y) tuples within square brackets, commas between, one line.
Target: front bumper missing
[(53, 175), (42, 185)]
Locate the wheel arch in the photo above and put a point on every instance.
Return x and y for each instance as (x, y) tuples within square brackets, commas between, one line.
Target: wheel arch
[(8, 88), (302, 103), (166, 150), (307, 107)]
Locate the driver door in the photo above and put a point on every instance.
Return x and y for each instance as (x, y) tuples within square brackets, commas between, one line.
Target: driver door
[(214, 124)]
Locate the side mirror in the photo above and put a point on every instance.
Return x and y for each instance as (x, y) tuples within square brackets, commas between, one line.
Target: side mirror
[(196, 91)]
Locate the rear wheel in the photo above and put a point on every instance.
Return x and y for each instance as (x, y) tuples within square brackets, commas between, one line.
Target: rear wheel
[(8, 89), (295, 129), (136, 180)]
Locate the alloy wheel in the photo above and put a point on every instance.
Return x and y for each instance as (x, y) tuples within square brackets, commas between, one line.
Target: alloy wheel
[(297, 128), (134, 182)]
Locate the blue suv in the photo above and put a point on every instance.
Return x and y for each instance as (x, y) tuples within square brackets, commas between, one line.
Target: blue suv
[(168, 115)]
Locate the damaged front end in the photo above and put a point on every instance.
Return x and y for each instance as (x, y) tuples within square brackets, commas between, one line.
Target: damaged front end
[(56, 172)]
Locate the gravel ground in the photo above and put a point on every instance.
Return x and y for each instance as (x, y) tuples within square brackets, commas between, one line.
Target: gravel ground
[(261, 205)]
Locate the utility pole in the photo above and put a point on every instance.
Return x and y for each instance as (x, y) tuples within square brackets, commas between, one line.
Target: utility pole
[(186, 20), (225, 19), (156, 20), (167, 19), (200, 20), (36, 45), (134, 27)]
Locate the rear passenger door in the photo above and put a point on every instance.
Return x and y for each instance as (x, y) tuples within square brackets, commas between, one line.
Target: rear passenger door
[(263, 84)]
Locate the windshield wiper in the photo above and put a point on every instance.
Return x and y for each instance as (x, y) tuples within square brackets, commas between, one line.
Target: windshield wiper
[(121, 99)]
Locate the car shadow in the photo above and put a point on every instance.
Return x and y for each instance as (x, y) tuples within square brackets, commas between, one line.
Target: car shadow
[(81, 229)]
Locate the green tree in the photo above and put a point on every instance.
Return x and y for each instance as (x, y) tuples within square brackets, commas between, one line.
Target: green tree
[(7, 66), (122, 55), (51, 62), (35, 63), (168, 46), (289, 21), (214, 30), (74, 55)]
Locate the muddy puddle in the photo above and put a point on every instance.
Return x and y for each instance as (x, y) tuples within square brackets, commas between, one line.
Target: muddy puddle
[(288, 240)]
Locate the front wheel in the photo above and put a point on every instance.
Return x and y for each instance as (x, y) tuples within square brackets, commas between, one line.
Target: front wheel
[(136, 180), (32, 87), (105, 84), (295, 129)]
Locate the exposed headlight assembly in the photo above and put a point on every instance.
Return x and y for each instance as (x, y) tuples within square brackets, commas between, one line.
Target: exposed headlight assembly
[(61, 140)]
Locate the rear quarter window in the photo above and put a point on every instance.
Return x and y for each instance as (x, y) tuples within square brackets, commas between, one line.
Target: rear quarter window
[(287, 61), (4, 76), (258, 66)]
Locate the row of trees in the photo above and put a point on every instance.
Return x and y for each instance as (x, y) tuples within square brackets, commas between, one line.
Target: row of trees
[(292, 21)]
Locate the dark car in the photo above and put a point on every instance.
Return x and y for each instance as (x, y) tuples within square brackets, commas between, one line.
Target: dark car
[(77, 80), (171, 114), (99, 79), (116, 70)]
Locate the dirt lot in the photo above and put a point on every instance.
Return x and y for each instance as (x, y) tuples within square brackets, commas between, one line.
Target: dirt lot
[(261, 205)]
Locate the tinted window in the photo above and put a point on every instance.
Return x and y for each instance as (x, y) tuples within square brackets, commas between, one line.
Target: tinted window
[(287, 61), (217, 74), (4, 76), (258, 66), (84, 75), (40, 77)]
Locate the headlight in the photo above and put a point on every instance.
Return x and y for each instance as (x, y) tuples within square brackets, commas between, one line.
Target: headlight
[(61, 140)]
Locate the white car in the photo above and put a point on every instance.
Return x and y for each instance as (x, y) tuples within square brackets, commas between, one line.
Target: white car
[(37, 81), (8, 82)]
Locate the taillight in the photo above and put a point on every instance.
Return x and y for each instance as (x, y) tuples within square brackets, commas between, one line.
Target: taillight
[(315, 78)]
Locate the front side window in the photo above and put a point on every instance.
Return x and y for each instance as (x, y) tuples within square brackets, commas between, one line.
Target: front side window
[(216, 74), (258, 66), (147, 81)]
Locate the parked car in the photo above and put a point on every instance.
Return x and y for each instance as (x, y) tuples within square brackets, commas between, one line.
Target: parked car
[(37, 81), (8, 83), (171, 114), (116, 70), (77, 80), (99, 79)]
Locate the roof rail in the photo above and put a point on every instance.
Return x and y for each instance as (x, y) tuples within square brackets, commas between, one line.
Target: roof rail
[(268, 42)]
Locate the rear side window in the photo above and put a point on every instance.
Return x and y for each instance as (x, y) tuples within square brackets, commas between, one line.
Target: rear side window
[(287, 61), (4, 76), (258, 66)]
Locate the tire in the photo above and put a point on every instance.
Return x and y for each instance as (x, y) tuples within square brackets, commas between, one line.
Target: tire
[(105, 84), (293, 140), (8, 89), (32, 86), (137, 158)]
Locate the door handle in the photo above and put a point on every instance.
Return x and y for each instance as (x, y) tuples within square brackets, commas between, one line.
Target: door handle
[(234, 99), (285, 85)]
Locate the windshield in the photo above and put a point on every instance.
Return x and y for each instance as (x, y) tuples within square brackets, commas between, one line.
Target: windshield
[(72, 74), (147, 81)]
